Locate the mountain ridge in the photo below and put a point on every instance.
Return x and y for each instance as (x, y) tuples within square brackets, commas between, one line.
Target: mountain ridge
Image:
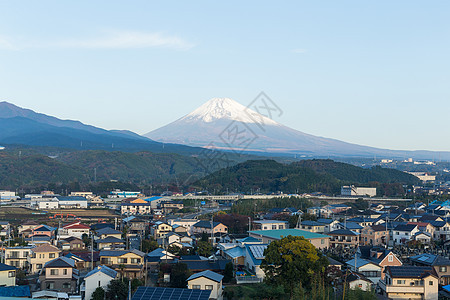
[(213, 123)]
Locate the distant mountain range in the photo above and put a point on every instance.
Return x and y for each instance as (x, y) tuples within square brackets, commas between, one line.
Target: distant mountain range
[(223, 123), (26, 127), (220, 124)]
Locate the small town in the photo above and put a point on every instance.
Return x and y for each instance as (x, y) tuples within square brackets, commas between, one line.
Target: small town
[(83, 246), (224, 150)]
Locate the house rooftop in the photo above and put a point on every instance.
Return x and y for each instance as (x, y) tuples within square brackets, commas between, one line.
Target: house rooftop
[(410, 271), (159, 293), (103, 269), (207, 274), (280, 233)]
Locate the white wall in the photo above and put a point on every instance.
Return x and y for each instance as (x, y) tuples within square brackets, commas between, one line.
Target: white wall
[(92, 282)]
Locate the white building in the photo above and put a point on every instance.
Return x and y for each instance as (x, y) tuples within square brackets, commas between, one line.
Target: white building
[(7, 275), (404, 233), (270, 225), (358, 191), (99, 277), (186, 223), (7, 195), (207, 280), (423, 176)]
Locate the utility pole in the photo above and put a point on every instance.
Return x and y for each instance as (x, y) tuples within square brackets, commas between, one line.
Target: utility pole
[(92, 251), (212, 229)]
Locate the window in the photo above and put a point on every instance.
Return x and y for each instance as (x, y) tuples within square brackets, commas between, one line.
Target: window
[(274, 226), (50, 285), (443, 269), (322, 241), (196, 287), (430, 282), (54, 272), (11, 274), (65, 272), (135, 260), (208, 287), (38, 266), (390, 258), (66, 285), (122, 260), (401, 281), (51, 255)]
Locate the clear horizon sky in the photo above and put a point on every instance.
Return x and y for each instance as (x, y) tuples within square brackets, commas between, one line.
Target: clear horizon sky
[(372, 73)]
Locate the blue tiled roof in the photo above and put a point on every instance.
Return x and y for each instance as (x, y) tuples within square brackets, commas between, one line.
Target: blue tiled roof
[(15, 291), (208, 274), (5, 267), (104, 269)]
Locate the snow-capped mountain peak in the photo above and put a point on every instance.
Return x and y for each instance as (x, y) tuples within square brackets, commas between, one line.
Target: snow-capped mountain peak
[(226, 108)]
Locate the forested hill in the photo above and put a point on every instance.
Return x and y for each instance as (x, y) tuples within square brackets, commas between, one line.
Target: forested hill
[(324, 176)]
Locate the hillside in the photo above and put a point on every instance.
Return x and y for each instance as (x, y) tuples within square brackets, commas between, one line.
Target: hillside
[(41, 166), (299, 177)]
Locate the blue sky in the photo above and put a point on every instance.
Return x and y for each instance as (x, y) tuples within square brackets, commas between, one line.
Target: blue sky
[(373, 73)]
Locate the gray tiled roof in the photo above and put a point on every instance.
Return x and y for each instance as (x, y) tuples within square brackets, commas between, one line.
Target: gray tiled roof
[(104, 269)]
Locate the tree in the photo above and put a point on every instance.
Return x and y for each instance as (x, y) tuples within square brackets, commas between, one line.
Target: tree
[(99, 294), (116, 289), (292, 260), (179, 275), (204, 248), (228, 272), (149, 245)]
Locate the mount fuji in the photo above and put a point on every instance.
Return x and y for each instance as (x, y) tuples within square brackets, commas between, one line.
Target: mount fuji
[(224, 124)]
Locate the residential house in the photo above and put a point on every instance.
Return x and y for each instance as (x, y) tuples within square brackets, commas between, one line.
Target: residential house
[(136, 207), (355, 227), (440, 264), (330, 224), (160, 229), (105, 232), (364, 222), (59, 274), (186, 223), (422, 238), (71, 243), (369, 269), (410, 282), (312, 226), (43, 230), (374, 235), (5, 229), (207, 280), (136, 225), (27, 225), (441, 230), (101, 276), (17, 256), (170, 206), (40, 255), (320, 241), (129, 263), (7, 275), (358, 281), (205, 226), (343, 238), (110, 243), (403, 233), (254, 255), (379, 256), (269, 224), (75, 229), (154, 258)]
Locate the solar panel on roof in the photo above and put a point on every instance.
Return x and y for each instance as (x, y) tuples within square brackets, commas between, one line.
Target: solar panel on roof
[(159, 293), (258, 251)]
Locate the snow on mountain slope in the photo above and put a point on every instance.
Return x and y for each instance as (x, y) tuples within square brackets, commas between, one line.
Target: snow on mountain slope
[(223, 123), (225, 108)]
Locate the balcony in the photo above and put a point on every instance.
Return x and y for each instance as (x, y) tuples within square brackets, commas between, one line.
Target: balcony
[(409, 289)]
